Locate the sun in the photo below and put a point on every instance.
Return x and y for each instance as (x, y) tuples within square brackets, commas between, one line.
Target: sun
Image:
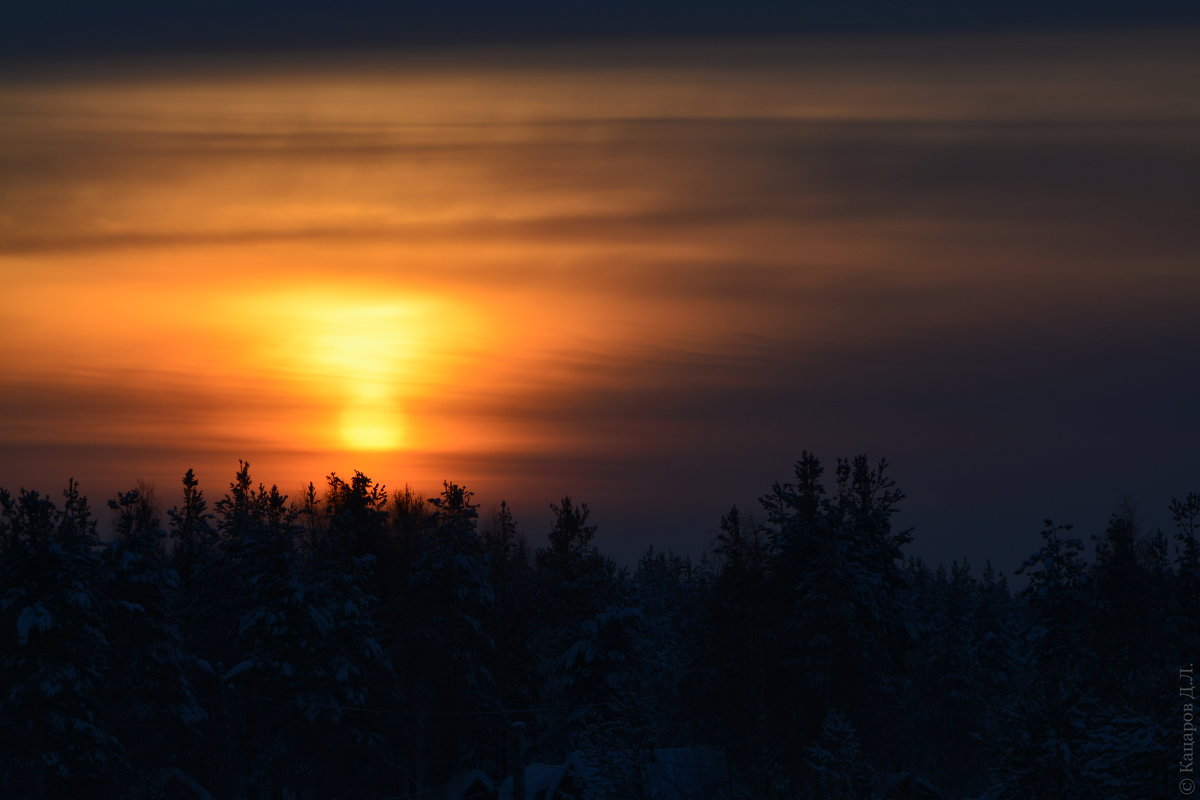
[(361, 355), (372, 422), (359, 364)]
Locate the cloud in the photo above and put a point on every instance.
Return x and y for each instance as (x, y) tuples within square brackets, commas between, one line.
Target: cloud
[(658, 275)]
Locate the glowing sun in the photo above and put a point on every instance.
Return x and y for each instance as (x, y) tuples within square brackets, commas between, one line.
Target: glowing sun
[(371, 422)]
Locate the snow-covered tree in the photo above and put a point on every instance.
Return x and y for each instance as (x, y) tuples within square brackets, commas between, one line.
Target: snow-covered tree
[(448, 647), (455, 597), (514, 613), (303, 643), (55, 734), (835, 764), (1186, 584), (574, 580), (835, 572), (739, 644), (1040, 749), (149, 684), (960, 672)]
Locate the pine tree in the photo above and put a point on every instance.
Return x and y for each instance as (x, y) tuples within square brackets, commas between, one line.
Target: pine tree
[(512, 622), (357, 517), (150, 684), (574, 579), (669, 589), (959, 671), (299, 643), (835, 574), (836, 766), (1043, 743), (54, 655), (451, 650), (1125, 612), (193, 537), (740, 648), (453, 582), (1186, 584), (345, 666)]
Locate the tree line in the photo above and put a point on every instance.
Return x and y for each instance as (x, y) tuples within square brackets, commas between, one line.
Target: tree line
[(360, 643)]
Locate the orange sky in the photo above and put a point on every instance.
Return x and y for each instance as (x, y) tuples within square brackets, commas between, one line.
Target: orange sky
[(486, 265)]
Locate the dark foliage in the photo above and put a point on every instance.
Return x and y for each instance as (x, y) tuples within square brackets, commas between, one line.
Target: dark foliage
[(366, 644)]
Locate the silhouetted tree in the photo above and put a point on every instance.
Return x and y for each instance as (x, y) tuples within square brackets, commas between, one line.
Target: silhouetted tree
[(835, 573), (575, 580), (358, 644), (149, 684), (514, 612), (449, 646), (740, 647), (54, 654), (836, 766)]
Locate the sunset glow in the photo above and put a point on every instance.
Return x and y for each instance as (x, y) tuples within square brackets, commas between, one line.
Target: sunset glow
[(512, 263)]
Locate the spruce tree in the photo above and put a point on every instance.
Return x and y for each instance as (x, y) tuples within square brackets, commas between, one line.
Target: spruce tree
[(150, 684), (54, 654)]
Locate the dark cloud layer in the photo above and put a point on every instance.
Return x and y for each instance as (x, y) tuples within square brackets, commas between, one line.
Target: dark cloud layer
[(60, 27)]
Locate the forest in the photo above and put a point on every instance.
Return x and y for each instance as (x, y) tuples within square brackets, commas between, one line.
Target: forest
[(357, 642)]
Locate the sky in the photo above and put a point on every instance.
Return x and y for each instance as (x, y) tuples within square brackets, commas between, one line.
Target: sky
[(643, 271)]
